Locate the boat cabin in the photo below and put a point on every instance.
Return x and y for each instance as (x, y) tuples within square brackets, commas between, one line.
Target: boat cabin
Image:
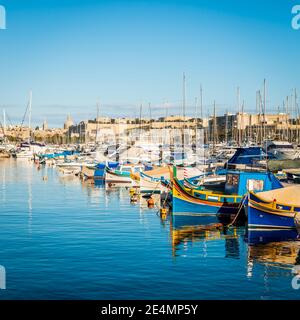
[(241, 182)]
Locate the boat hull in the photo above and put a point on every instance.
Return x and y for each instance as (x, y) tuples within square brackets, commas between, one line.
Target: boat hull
[(183, 203), (148, 185), (260, 218), (115, 178), (90, 173)]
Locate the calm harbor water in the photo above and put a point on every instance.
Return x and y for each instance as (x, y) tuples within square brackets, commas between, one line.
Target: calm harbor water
[(62, 238)]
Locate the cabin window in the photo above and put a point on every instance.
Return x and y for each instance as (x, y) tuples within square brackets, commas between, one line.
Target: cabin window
[(211, 198), (297, 209), (255, 185), (232, 179)]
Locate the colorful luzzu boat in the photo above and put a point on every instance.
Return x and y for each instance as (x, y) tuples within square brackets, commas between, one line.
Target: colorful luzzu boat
[(123, 174), (150, 184), (98, 172), (222, 199), (277, 209)]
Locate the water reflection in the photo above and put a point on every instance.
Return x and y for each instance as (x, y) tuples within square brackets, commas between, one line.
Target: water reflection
[(190, 229), (273, 249), (73, 226)]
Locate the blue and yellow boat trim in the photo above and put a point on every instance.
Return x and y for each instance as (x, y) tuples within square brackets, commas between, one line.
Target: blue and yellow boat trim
[(270, 214), (202, 202)]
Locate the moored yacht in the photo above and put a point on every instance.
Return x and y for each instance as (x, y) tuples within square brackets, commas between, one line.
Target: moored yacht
[(282, 150)]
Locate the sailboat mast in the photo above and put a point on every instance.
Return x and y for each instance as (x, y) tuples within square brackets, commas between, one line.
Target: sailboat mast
[(150, 113), (297, 116), (287, 118), (226, 128), (4, 123), (97, 122), (264, 110), (184, 115), (196, 110), (239, 122), (201, 103), (141, 109), (183, 97), (29, 114), (242, 123), (215, 141)]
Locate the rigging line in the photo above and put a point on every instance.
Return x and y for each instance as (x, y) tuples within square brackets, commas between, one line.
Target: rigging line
[(8, 118)]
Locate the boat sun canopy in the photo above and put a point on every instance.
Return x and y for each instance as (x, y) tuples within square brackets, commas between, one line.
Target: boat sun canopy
[(288, 195)]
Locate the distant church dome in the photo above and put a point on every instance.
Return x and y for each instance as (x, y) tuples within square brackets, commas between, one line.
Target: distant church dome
[(68, 123)]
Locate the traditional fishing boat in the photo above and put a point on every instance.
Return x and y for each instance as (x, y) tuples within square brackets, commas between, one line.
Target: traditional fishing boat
[(222, 198), (98, 171), (122, 174), (198, 182), (278, 208), (150, 184)]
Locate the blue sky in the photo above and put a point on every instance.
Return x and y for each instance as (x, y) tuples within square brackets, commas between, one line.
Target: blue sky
[(124, 53)]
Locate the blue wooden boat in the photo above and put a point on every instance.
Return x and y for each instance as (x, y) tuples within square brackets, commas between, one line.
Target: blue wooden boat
[(98, 172), (278, 208), (222, 198), (56, 155), (100, 169)]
